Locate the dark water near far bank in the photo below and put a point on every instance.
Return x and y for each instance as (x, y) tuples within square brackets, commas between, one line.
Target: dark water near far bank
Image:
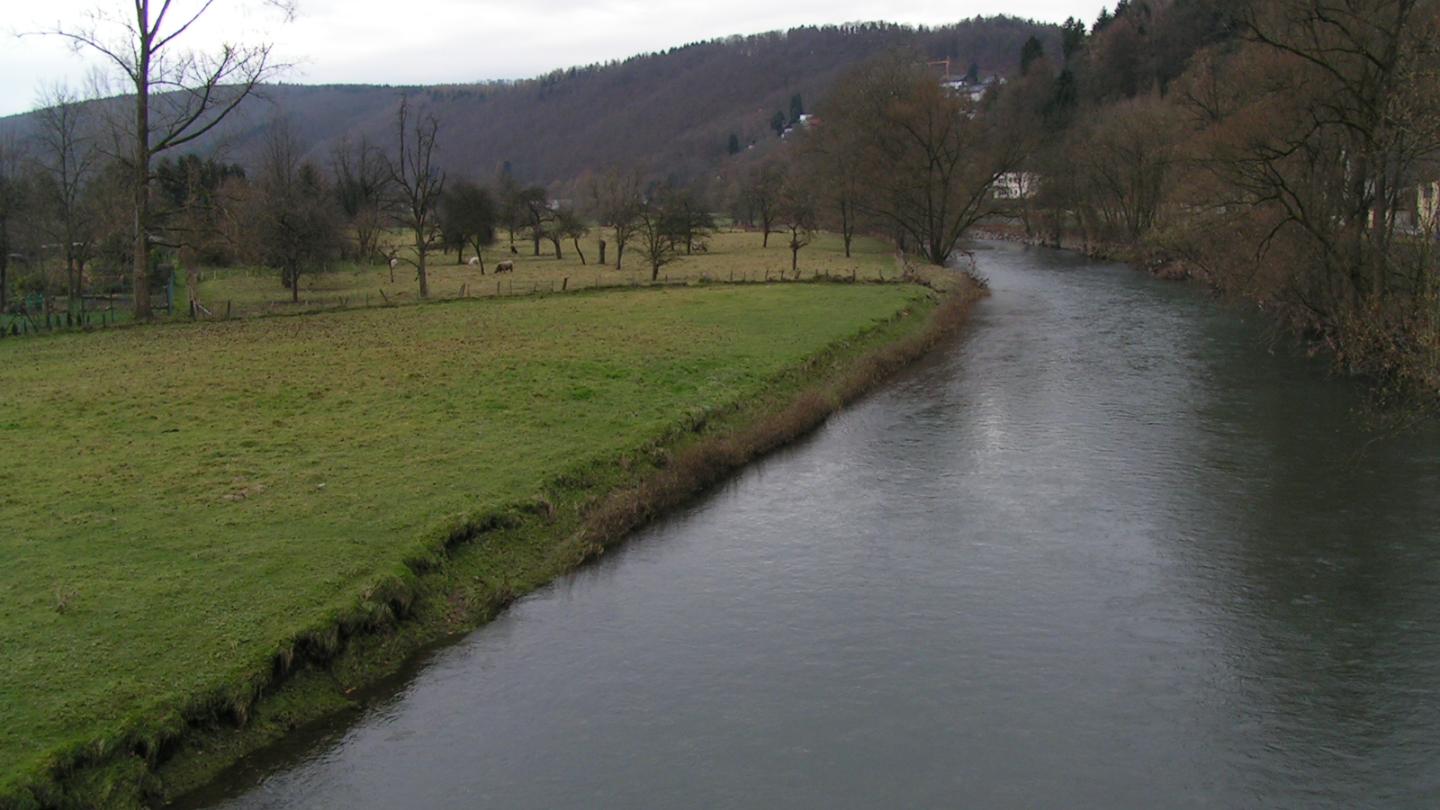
[(1106, 550)]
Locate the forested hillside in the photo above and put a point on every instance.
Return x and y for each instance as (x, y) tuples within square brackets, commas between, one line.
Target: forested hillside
[(672, 113)]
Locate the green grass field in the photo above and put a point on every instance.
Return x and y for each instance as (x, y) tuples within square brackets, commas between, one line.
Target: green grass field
[(250, 291), (180, 501)]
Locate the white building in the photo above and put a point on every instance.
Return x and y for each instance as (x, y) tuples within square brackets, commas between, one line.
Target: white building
[(1016, 186)]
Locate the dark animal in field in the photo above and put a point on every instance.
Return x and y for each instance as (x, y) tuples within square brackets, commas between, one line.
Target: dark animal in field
[(505, 267), (513, 251)]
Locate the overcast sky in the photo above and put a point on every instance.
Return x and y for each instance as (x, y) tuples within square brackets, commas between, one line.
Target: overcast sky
[(439, 41)]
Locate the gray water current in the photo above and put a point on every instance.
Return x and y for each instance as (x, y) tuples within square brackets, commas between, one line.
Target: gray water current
[(1108, 549)]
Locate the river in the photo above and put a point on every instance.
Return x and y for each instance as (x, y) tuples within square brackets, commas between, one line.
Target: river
[(1109, 548)]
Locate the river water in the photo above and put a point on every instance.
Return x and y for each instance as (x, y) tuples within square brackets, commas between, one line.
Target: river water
[(1107, 549)]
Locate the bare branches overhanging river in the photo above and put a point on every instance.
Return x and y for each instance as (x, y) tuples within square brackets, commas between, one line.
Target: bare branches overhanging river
[(1106, 550)]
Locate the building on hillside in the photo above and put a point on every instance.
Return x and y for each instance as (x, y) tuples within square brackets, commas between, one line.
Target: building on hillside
[(805, 121), (975, 90), (1427, 207), (1418, 209), (968, 84), (1016, 186)]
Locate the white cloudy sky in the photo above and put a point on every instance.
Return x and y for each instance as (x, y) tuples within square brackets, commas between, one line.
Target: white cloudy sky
[(430, 41)]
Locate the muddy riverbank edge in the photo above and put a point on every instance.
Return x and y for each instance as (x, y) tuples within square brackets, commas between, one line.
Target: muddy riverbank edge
[(469, 571)]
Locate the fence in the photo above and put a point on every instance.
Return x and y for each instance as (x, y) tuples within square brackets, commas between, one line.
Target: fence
[(116, 309)]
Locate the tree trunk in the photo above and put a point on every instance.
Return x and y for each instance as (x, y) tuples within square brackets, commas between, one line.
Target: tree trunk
[(192, 286), (794, 257), (619, 254), (424, 280), (765, 240), (537, 244), (142, 183), (557, 248), (294, 285), (602, 252), (576, 242)]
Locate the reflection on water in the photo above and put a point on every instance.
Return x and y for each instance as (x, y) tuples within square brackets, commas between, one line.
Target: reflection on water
[(1107, 550)]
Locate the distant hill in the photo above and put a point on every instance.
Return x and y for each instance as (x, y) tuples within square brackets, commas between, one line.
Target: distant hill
[(672, 112)]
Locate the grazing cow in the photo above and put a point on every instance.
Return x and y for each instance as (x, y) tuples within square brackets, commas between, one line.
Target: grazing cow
[(474, 260), (505, 267)]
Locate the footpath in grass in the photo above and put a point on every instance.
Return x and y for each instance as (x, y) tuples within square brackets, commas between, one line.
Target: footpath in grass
[(179, 502)]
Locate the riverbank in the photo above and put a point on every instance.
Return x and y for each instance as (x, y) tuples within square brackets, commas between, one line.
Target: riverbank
[(462, 572), (1149, 258)]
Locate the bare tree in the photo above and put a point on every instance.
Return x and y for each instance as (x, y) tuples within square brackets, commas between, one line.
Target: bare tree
[(692, 217), (68, 157), (762, 191), (659, 230), (832, 155), (362, 183), (11, 203), (795, 211), (179, 96), (570, 225), (1130, 155), (536, 206), (932, 157), (420, 184), (616, 198), (295, 220)]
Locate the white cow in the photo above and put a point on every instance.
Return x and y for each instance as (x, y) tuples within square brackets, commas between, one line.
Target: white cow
[(474, 260)]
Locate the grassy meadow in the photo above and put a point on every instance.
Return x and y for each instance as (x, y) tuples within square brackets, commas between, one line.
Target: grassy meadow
[(182, 501), (730, 254)]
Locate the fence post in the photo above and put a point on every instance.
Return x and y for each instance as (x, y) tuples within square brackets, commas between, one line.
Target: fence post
[(227, 309)]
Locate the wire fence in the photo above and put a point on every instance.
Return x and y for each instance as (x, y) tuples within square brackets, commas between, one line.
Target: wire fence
[(33, 317)]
